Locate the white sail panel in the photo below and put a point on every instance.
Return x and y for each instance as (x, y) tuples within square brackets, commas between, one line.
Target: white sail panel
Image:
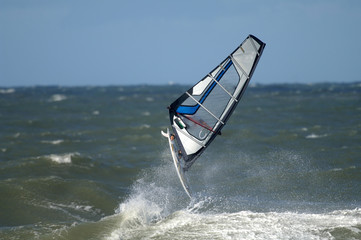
[(245, 56), (190, 145), (199, 88)]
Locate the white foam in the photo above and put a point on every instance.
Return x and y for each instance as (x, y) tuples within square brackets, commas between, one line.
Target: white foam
[(7, 91), (16, 135), (75, 206), (336, 169), (57, 98), (68, 210), (61, 158), (312, 136), (144, 126), (241, 225), (54, 142)]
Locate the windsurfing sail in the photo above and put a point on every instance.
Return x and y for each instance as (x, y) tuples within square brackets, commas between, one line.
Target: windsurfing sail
[(198, 115)]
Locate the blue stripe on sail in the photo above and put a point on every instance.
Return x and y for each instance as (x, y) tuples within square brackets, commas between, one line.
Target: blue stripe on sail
[(190, 110)]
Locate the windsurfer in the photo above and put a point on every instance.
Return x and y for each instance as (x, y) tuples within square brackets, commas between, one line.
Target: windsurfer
[(180, 154), (172, 137)]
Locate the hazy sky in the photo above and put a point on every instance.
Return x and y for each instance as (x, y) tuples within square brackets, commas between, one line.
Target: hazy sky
[(107, 42)]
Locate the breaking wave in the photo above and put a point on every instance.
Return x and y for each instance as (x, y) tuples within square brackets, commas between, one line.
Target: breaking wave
[(57, 98), (61, 158)]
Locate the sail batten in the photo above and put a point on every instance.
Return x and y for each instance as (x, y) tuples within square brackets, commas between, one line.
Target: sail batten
[(201, 105), (217, 82), (198, 115), (254, 46)]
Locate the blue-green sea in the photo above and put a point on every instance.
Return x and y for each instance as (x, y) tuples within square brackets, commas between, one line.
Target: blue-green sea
[(90, 163)]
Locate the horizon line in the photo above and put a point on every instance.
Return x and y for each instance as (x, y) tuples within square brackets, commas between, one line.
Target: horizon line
[(172, 84)]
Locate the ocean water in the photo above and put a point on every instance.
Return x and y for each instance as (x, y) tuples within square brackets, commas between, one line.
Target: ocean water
[(90, 163)]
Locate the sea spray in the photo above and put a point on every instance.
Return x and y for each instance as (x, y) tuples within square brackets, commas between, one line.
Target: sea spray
[(139, 211)]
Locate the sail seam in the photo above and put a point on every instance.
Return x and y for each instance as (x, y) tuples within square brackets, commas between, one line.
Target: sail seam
[(254, 46), (239, 66), (200, 104)]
